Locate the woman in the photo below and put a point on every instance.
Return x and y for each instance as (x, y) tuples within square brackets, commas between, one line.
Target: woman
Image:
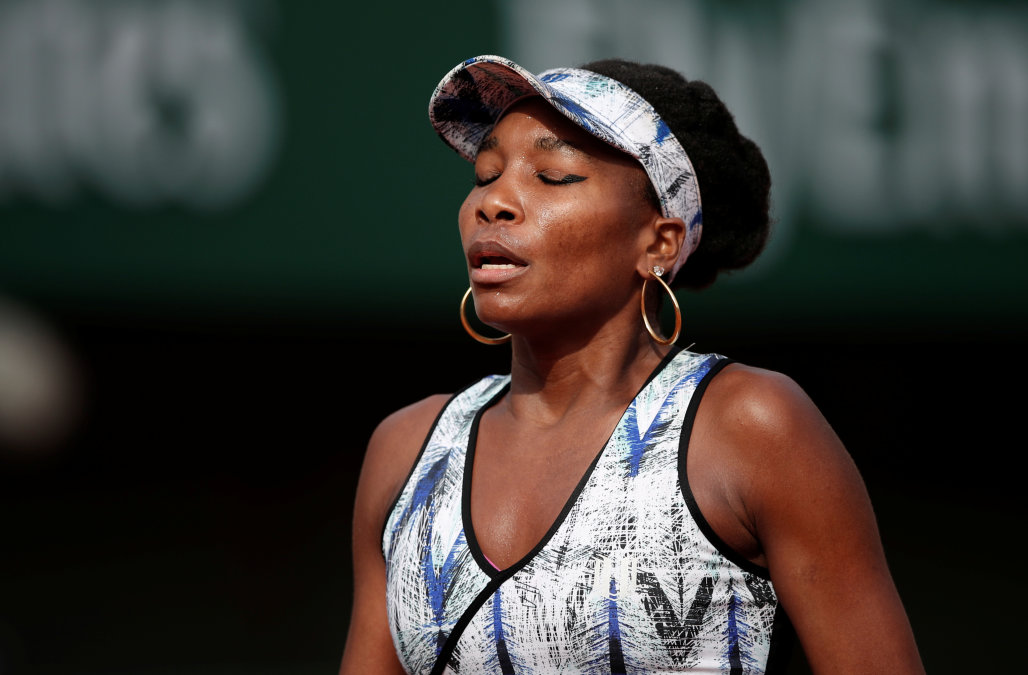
[(615, 504)]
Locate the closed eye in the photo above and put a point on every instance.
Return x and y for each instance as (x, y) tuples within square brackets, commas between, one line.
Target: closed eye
[(566, 180), (481, 181)]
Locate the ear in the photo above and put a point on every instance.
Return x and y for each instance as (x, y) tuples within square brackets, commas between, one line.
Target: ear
[(666, 236)]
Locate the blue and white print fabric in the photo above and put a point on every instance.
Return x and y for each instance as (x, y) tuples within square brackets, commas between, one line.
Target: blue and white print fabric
[(625, 582), (471, 98)]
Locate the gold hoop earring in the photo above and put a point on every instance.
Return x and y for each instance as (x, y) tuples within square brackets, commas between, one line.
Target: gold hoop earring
[(471, 331), (657, 271)]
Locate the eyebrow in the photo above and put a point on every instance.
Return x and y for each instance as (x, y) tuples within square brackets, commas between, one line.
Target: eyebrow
[(548, 143), (552, 143)]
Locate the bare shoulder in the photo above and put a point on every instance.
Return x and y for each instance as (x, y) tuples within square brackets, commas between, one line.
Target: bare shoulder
[(391, 452), (390, 455), (760, 449), (760, 396), (788, 477), (781, 450), (790, 480), (766, 413), (406, 426)]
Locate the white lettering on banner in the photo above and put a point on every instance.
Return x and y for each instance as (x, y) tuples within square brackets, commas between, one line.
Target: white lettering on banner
[(874, 116), (912, 122), (148, 102)]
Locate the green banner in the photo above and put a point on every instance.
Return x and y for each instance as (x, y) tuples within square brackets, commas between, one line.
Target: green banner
[(187, 158)]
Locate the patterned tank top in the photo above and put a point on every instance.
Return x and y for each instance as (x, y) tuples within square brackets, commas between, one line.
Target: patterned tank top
[(629, 579)]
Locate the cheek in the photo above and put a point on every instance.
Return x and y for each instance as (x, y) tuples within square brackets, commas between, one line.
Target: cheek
[(594, 225), (566, 228), (466, 208), (466, 215), (558, 217)]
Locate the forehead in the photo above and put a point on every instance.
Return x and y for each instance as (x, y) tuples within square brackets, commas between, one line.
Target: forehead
[(533, 121)]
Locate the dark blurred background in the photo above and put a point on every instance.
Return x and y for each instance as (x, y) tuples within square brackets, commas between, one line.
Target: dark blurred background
[(228, 248)]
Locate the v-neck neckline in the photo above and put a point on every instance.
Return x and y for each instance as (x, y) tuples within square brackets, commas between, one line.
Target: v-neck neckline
[(469, 458)]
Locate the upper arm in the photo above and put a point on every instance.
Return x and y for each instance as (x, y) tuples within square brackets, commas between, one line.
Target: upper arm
[(393, 448), (809, 509)]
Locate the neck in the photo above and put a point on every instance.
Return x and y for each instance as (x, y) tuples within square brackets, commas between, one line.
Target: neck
[(551, 381)]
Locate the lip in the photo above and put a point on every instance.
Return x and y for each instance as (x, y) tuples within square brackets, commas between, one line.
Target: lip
[(491, 262)]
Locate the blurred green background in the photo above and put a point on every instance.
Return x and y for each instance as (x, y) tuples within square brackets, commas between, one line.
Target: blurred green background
[(228, 248)]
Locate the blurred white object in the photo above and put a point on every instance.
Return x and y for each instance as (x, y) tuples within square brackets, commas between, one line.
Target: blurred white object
[(39, 386)]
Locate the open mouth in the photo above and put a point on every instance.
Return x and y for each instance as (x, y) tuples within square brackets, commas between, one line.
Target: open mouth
[(493, 260), (496, 263)]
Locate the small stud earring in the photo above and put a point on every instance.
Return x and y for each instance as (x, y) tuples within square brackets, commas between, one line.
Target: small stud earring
[(658, 270)]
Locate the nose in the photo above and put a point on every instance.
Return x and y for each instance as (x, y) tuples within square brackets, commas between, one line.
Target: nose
[(499, 202)]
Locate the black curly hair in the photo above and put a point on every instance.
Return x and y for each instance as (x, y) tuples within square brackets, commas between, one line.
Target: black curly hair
[(735, 184)]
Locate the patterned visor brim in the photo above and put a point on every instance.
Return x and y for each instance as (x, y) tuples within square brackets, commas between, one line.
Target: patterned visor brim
[(468, 102)]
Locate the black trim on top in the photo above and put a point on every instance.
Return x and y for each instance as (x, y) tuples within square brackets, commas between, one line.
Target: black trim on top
[(417, 460), (683, 478), (667, 358), (469, 456), (465, 496), (498, 577), (462, 623)]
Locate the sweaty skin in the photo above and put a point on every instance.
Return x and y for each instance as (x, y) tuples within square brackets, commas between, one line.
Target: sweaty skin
[(558, 239)]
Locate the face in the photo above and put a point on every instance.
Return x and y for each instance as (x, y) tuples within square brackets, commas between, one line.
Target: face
[(555, 228)]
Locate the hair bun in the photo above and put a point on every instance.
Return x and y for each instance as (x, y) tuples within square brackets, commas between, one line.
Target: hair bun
[(734, 180)]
